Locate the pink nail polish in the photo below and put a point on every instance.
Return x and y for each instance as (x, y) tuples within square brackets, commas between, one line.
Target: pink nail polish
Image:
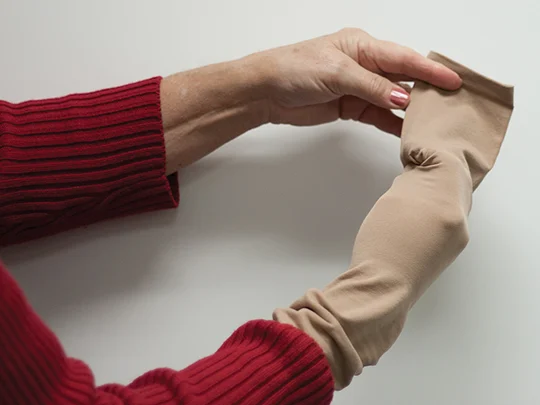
[(399, 97)]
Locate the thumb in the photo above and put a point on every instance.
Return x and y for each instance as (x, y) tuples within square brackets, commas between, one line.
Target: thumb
[(359, 82)]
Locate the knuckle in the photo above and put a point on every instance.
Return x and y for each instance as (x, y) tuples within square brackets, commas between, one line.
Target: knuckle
[(325, 52), (429, 72), (328, 64), (417, 65), (347, 30), (350, 31), (343, 66), (376, 86), (407, 62)]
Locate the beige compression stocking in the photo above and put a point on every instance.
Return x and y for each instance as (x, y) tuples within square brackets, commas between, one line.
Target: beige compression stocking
[(449, 143)]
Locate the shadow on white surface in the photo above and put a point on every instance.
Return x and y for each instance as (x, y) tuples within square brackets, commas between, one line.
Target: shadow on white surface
[(247, 222), (308, 201)]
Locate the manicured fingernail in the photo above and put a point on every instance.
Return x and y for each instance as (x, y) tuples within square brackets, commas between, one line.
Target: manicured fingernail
[(399, 97)]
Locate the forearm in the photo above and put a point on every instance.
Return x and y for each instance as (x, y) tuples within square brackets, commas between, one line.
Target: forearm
[(262, 362), (204, 108), (75, 160)]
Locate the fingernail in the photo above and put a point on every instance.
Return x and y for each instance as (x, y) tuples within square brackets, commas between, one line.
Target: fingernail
[(399, 97)]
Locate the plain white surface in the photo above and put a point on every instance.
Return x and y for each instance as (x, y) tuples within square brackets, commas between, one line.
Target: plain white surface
[(276, 211)]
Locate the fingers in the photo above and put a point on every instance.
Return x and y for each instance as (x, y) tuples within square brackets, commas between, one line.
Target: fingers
[(405, 87), (352, 108), (389, 58), (383, 119), (396, 59), (346, 108), (396, 77), (359, 82), (315, 114)]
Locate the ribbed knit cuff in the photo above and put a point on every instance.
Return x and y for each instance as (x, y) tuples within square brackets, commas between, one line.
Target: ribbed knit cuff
[(263, 362), (70, 161)]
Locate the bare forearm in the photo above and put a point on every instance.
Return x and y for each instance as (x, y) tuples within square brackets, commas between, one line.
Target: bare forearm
[(204, 108)]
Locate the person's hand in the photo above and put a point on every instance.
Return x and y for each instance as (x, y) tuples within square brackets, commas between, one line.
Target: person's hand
[(347, 75)]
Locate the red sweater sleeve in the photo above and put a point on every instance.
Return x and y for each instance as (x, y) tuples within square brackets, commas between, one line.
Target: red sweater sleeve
[(263, 362), (70, 161), (74, 160)]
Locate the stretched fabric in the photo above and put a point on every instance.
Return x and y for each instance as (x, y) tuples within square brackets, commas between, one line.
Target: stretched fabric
[(450, 141)]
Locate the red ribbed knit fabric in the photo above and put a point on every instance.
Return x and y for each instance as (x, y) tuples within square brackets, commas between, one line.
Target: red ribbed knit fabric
[(263, 362), (74, 160)]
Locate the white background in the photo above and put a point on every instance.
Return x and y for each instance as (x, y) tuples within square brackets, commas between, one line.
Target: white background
[(276, 211)]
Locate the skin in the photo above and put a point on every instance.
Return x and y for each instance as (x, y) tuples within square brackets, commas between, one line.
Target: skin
[(346, 75)]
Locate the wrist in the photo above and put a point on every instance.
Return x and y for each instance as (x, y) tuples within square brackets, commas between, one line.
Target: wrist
[(206, 107)]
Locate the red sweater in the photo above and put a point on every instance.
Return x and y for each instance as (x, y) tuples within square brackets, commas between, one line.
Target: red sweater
[(74, 160)]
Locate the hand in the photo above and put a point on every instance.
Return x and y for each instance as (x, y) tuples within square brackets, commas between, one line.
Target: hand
[(347, 75)]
